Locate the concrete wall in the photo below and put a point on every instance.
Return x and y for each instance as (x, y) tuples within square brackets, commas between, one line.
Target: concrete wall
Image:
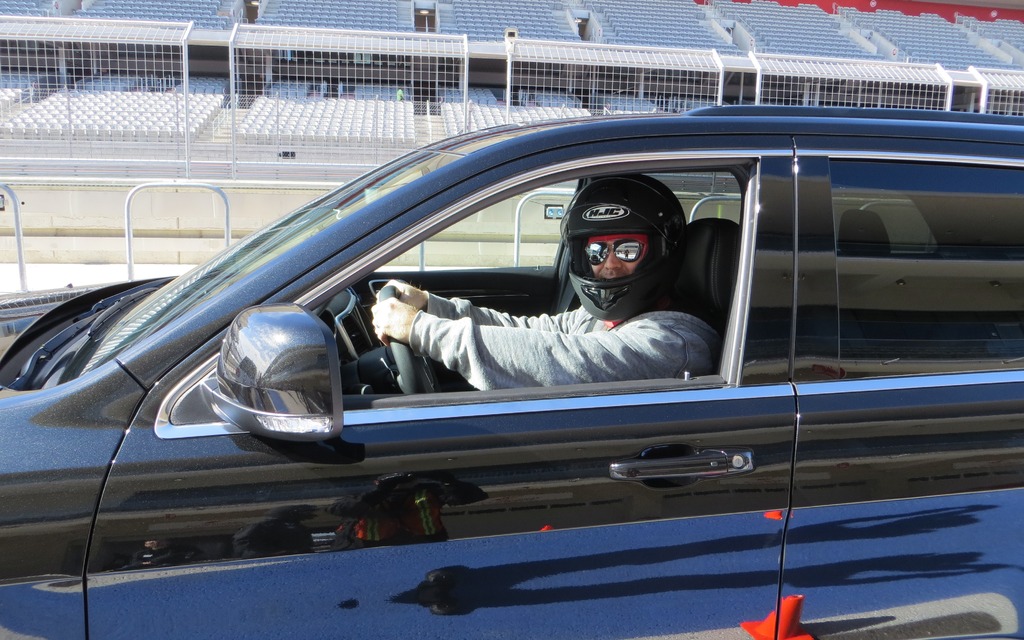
[(84, 222)]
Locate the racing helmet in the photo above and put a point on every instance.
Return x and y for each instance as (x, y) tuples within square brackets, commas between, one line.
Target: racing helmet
[(624, 205)]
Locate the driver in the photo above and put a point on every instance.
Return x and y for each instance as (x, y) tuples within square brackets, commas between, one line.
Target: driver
[(625, 238)]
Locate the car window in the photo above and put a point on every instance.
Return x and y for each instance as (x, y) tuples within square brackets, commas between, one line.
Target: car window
[(706, 194), (518, 231), (930, 267), (523, 230)]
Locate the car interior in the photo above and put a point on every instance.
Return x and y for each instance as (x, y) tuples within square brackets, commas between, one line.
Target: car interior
[(531, 279)]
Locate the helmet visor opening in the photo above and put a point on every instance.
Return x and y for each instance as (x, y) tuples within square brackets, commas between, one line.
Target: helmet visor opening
[(631, 248)]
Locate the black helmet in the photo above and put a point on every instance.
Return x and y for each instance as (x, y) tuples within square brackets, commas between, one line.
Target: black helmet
[(624, 205)]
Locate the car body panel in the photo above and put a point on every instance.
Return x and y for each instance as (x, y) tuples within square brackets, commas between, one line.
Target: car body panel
[(953, 446), (578, 583), (889, 505), (921, 568), (55, 450), (521, 496), (917, 479)]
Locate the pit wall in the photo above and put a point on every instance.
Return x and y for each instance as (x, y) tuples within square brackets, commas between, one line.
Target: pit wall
[(84, 222)]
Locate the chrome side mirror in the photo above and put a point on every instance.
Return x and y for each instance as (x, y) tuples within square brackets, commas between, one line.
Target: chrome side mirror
[(279, 375)]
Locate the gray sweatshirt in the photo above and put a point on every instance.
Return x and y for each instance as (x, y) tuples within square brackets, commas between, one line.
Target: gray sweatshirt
[(493, 350)]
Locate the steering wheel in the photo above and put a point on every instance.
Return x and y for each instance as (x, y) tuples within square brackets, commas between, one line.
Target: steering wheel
[(415, 373)]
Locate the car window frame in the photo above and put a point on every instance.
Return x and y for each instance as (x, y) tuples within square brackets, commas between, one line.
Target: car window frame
[(530, 399), (950, 160)]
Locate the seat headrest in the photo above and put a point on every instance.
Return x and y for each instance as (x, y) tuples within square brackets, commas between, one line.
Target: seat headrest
[(862, 232), (705, 284)]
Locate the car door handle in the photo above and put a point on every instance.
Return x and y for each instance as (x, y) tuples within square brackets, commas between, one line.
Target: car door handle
[(706, 463)]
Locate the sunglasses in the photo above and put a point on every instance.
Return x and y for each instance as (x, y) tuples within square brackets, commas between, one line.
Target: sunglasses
[(626, 250)]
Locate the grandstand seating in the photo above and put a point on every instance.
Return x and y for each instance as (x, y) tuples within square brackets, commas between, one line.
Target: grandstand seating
[(328, 120), (622, 104), (147, 108), (927, 38), (8, 99), (112, 115), (802, 30), (663, 23), (110, 83), (17, 80), (321, 101), (21, 8), (487, 20), (374, 92), (204, 13), (1009, 31), (207, 84), (482, 116), (363, 15), (124, 108), (805, 30), (479, 95), (119, 108), (548, 99)]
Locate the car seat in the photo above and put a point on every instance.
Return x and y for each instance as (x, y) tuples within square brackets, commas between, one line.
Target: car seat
[(706, 281)]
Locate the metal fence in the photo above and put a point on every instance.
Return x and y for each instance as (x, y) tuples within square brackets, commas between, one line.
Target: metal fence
[(319, 96), (1002, 92), (563, 80), (98, 89), (823, 82), (119, 98)]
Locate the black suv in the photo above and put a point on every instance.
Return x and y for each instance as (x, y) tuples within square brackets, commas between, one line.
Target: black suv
[(850, 470)]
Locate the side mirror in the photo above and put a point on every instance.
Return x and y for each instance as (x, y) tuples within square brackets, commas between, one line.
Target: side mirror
[(279, 375)]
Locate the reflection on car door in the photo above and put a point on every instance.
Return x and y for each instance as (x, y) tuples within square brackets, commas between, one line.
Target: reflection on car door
[(500, 521), (907, 484)]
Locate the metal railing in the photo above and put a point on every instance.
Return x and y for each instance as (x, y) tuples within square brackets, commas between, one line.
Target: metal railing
[(518, 232), (128, 232), (19, 235)]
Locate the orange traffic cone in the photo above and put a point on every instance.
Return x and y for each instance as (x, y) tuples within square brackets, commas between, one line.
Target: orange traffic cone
[(788, 621)]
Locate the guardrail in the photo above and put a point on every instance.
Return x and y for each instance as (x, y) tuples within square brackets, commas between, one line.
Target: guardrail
[(128, 233)]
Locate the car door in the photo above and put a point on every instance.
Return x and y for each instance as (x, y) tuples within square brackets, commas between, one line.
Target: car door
[(477, 514), (907, 488)]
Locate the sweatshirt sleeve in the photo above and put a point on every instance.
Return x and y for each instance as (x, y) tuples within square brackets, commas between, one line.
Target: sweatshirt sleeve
[(456, 308), (506, 355)]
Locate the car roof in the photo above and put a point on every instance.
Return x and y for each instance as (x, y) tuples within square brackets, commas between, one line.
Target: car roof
[(750, 119), (856, 113)]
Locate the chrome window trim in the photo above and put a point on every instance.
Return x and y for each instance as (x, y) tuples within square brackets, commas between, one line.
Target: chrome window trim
[(425, 414), (166, 430), (734, 342), (909, 383), (900, 156), (730, 365), (365, 417)]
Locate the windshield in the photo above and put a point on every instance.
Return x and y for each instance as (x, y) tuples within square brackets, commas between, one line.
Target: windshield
[(259, 248)]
